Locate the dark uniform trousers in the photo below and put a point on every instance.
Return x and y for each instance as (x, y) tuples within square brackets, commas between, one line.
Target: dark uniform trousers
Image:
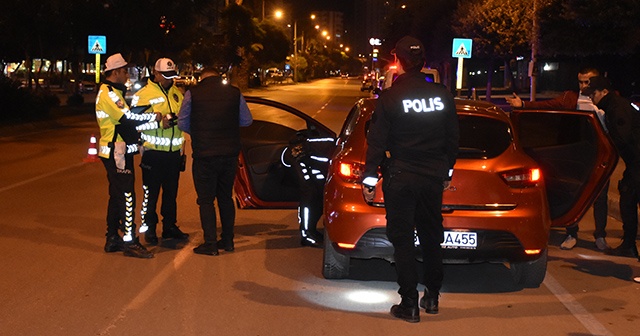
[(629, 200), (413, 200), (213, 179), (311, 196), (160, 170), (121, 186)]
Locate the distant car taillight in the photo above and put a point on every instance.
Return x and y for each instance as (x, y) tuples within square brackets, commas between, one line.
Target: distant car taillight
[(351, 171), (522, 178)]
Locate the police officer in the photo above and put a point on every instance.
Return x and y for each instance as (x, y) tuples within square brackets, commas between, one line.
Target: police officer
[(162, 157), (308, 154), (118, 143), (623, 122), (414, 137)]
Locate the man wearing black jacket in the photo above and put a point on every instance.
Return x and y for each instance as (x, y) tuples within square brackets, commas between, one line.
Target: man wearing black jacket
[(623, 122), (414, 137), (212, 113)]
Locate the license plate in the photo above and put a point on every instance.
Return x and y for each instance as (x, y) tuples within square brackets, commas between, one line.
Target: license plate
[(455, 240), (460, 240)]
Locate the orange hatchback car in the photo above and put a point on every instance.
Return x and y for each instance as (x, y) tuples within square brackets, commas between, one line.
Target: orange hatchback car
[(517, 175)]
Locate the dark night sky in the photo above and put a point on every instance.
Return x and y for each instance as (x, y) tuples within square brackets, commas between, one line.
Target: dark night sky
[(306, 6)]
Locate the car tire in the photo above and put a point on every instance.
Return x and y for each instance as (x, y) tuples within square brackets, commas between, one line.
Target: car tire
[(530, 274), (335, 265)]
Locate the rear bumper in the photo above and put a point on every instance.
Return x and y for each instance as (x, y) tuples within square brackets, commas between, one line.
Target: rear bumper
[(493, 246)]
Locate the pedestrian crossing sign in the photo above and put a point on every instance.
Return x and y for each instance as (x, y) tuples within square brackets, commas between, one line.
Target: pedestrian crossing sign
[(97, 44), (461, 48)]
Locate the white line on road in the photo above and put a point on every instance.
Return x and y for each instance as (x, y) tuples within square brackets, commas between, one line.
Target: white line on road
[(578, 311), (152, 287), (322, 108), (40, 177)]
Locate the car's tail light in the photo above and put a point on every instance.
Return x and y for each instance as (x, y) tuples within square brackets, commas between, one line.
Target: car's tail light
[(351, 171), (522, 178)]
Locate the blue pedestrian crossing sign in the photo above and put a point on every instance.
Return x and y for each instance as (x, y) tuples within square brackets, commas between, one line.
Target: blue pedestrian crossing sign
[(97, 44), (461, 48)]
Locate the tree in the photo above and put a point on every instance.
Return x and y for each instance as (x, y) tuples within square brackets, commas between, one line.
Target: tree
[(610, 27), (500, 29), (240, 34), (275, 44)]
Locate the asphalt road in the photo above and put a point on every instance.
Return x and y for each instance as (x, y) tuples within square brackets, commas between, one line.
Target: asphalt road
[(56, 280)]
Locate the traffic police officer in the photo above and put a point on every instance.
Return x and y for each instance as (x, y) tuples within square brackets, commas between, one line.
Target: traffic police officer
[(118, 143), (308, 154), (162, 154), (414, 137)]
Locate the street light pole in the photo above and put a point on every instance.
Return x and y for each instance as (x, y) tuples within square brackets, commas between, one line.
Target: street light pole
[(295, 50)]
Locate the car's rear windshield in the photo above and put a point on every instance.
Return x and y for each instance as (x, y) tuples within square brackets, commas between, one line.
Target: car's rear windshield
[(482, 137)]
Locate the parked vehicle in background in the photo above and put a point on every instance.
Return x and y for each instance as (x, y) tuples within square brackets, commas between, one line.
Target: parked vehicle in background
[(392, 73), (184, 81), (274, 72), (86, 82), (368, 82)]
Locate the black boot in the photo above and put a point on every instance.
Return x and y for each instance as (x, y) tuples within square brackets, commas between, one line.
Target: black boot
[(136, 250), (624, 250), (208, 248), (407, 310), (150, 238), (113, 244), (309, 240), (429, 301), (174, 232), (227, 245)]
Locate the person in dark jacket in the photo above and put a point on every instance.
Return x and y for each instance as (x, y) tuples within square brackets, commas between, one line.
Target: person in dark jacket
[(575, 100), (414, 137), (623, 122), (308, 154), (212, 113)]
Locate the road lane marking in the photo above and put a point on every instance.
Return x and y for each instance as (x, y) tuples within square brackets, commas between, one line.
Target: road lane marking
[(322, 108), (152, 287), (578, 311), (33, 179)]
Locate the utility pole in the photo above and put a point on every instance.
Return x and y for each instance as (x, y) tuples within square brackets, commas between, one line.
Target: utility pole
[(295, 50), (535, 40)]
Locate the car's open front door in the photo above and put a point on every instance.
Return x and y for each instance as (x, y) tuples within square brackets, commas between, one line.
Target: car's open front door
[(262, 180), (576, 155)]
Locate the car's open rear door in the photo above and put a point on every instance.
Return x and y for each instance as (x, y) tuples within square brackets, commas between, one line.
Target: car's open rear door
[(576, 155)]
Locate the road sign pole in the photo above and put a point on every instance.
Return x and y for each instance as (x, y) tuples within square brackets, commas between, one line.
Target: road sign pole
[(97, 68), (459, 76)]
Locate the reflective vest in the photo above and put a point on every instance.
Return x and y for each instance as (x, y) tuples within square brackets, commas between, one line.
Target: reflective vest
[(164, 101), (110, 108)]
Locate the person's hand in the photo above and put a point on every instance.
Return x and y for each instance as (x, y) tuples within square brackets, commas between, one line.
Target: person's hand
[(446, 185), (166, 122), (158, 116), (369, 193), (514, 101), (169, 120)]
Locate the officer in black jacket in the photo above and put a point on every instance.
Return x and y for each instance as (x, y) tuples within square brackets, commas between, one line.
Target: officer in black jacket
[(308, 155), (414, 136), (623, 122)]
